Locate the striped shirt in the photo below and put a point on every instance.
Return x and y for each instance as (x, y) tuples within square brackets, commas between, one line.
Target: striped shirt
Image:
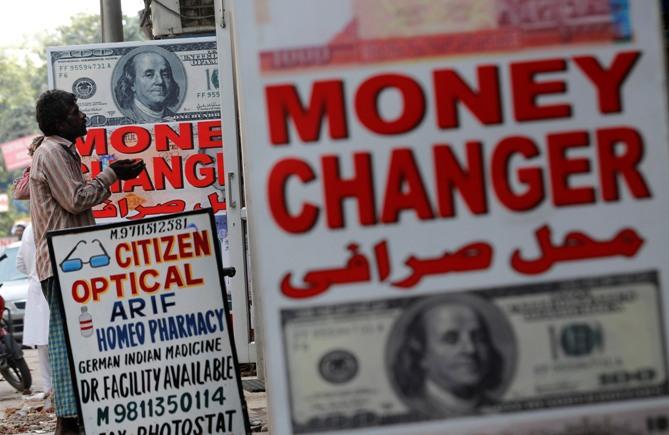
[(59, 196)]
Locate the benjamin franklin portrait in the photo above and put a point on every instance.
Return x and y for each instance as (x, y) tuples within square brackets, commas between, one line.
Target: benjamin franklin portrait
[(451, 355), (149, 84)]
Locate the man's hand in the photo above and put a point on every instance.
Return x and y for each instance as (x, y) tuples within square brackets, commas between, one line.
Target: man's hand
[(127, 169)]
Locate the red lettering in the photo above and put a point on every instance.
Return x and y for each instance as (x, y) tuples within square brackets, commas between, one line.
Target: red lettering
[(145, 286), (144, 244), (278, 198), (359, 187), (403, 171), (327, 101), (99, 285), (367, 104), (200, 171), (469, 180), (609, 81), (531, 177), (526, 90), (185, 245), (130, 139), (96, 168), (220, 168), (115, 187), (190, 280), (120, 259), (562, 167), (133, 284), (170, 171), (209, 134), (118, 280), (173, 277), (168, 242), (201, 243), (95, 138), (80, 291), (622, 163), (165, 135), (450, 89)]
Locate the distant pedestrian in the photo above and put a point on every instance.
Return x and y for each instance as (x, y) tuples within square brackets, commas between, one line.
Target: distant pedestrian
[(36, 319)]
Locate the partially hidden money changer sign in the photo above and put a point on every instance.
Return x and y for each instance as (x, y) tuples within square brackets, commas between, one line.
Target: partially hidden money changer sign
[(155, 100), (457, 213), (147, 326)]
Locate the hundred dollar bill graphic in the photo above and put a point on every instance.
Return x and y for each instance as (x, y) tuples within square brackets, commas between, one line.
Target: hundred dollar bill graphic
[(140, 84), (500, 350), (391, 30)]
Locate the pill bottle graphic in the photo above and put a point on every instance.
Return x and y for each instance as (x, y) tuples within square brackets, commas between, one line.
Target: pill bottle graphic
[(86, 322)]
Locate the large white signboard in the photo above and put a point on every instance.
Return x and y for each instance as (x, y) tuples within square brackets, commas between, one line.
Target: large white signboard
[(457, 213), (148, 328), (156, 100)]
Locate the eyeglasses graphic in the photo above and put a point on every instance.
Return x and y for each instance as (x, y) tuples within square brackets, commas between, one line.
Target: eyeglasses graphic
[(74, 264)]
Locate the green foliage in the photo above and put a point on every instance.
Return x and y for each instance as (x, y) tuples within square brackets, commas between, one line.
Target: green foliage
[(17, 100), (86, 29), (82, 29), (24, 78), (131, 31)]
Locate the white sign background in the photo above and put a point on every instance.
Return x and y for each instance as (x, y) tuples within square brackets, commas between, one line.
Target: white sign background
[(268, 26), (149, 396)]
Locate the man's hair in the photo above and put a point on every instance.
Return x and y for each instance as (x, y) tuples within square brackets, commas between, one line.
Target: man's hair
[(123, 90), (408, 369), (52, 109)]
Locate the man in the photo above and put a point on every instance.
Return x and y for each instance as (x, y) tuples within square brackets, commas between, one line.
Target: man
[(447, 364), (147, 88), (60, 198), (18, 230)]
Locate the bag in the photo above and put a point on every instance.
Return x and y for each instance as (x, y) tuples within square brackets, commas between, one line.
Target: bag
[(22, 185)]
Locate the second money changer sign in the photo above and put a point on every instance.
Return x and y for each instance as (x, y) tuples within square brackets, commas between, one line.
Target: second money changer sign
[(147, 326), (154, 100)]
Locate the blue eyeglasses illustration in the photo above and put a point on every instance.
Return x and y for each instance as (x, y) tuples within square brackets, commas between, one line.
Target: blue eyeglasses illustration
[(74, 264)]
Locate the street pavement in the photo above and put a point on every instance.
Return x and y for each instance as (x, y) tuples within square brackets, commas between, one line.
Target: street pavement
[(28, 414)]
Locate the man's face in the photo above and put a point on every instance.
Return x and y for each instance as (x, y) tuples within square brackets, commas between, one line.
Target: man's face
[(74, 125), (153, 80), (458, 348)]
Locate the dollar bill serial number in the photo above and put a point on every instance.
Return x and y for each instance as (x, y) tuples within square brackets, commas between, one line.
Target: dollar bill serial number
[(209, 94), (84, 67), (149, 228), (159, 406)]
